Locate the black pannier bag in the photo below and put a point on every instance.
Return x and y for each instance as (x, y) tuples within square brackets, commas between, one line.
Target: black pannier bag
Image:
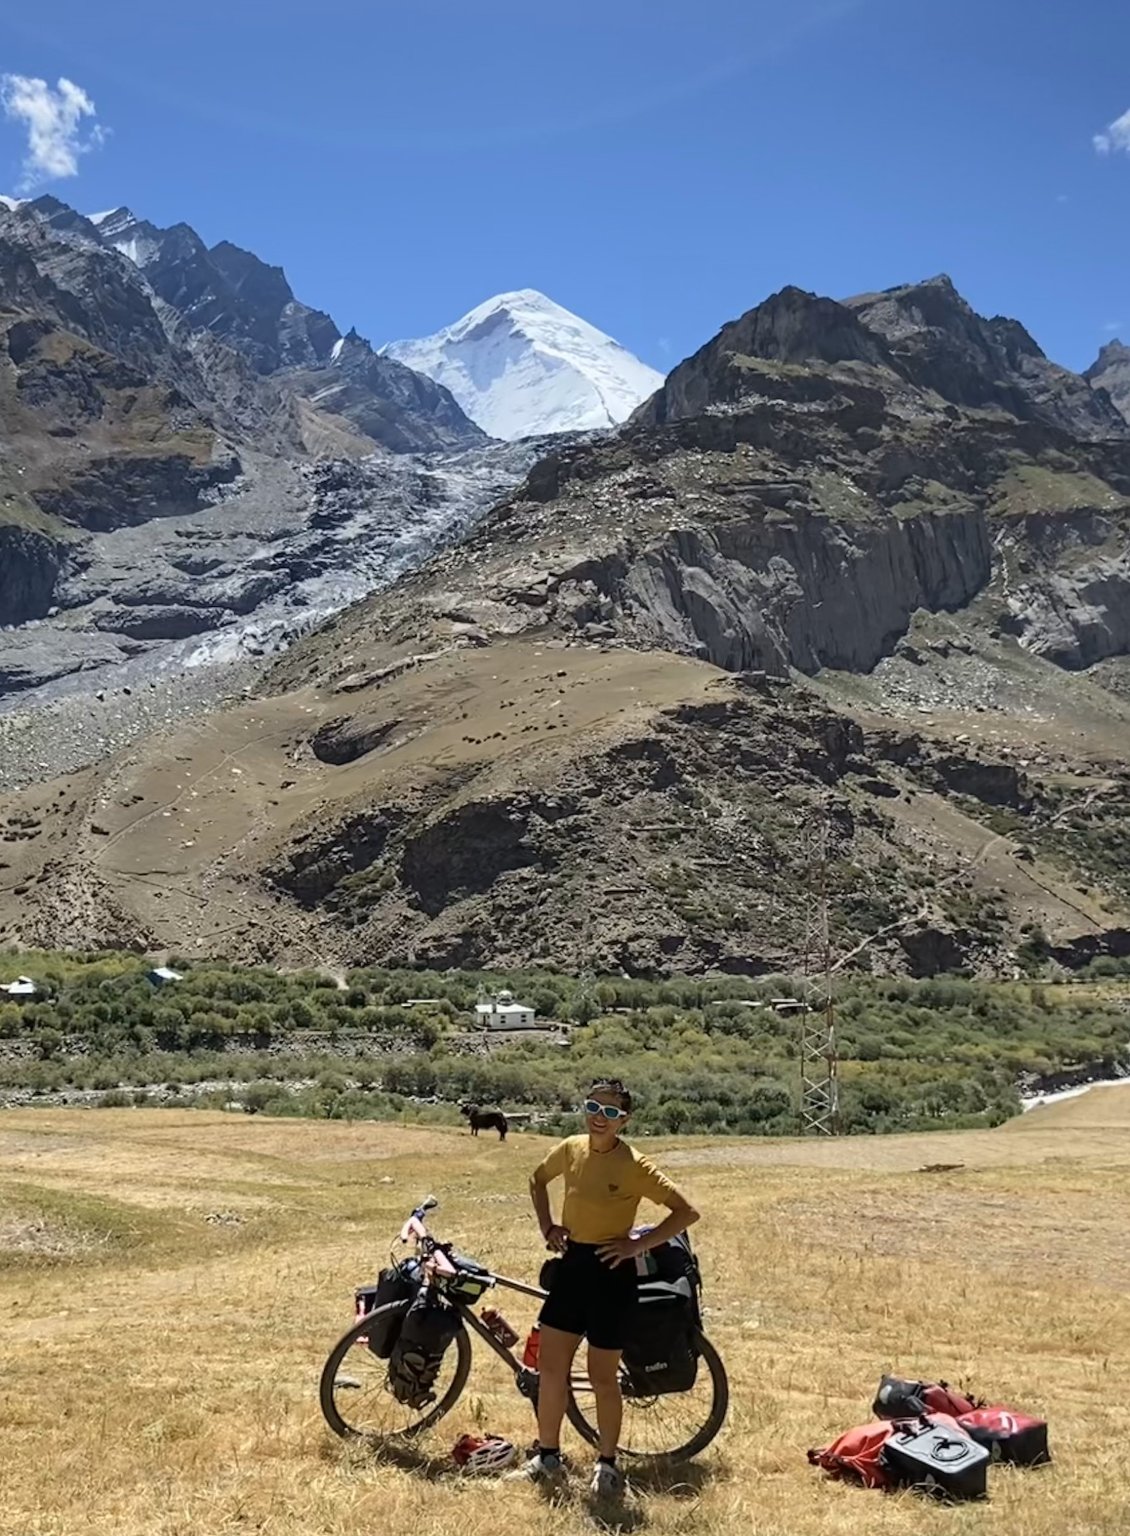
[(661, 1355), (672, 1261), (398, 1284), (428, 1329), (933, 1455)]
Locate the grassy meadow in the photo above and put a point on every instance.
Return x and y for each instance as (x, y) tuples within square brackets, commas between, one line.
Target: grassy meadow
[(171, 1281)]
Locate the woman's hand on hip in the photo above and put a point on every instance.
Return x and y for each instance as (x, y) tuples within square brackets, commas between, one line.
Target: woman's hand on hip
[(619, 1251), (556, 1238)]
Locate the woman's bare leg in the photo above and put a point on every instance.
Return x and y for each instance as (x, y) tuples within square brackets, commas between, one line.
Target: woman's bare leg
[(555, 1357), (604, 1374)]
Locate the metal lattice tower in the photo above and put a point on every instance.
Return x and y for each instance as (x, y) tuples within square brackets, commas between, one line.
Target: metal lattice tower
[(819, 1056)]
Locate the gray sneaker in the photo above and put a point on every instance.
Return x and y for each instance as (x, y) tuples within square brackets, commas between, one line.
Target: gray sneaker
[(607, 1481), (539, 1469)]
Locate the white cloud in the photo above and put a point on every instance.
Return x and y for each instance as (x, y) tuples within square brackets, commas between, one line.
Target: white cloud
[(1116, 138), (53, 120)]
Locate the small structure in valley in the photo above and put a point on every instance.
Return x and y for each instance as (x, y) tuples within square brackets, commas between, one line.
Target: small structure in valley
[(162, 976), (502, 1012), (23, 986)]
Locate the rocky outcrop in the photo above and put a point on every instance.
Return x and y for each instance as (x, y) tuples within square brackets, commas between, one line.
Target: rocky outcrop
[(769, 595), (938, 342), (465, 852), (122, 491), (226, 291), (991, 783), (933, 951), (1071, 603), (404, 411), (347, 739), (1111, 372), (169, 621), (31, 567), (924, 334), (792, 328), (804, 592), (317, 863)]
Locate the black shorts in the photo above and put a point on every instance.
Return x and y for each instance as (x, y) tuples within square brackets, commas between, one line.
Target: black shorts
[(591, 1298)]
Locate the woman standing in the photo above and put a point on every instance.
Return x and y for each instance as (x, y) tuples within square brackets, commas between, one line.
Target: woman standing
[(593, 1293)]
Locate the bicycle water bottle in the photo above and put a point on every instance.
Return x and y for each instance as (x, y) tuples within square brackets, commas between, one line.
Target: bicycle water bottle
[(499, 1327), (532, 1350)]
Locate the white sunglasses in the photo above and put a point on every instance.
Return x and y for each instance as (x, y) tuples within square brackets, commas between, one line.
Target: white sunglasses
[(609, 1111)]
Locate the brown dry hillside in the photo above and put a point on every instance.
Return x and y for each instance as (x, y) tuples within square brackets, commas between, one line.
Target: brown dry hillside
[(170, 1282), (520, 801)]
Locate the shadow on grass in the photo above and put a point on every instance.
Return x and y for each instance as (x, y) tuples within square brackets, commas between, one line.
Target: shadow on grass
[(404, 1455), (682, 1480), (678, 1480)]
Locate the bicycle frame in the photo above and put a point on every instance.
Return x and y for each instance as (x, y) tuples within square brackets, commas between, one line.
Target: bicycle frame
[(504, 1352)]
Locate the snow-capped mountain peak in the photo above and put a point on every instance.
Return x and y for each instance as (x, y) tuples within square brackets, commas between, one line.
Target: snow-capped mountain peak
[(137, 239), (521, 365), (11, 203)]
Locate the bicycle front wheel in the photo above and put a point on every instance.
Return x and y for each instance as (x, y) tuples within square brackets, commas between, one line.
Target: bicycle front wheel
[(665, 1429), (354, 1391)]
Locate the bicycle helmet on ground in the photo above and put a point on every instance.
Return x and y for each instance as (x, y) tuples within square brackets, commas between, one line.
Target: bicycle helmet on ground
[(483, 1453)]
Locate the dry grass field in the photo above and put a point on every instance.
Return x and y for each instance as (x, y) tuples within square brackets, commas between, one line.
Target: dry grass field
[(170, 1283)]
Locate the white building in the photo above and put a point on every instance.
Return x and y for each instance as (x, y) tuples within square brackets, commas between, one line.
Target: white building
[(504, 1013), (163, 976), (23, 986)]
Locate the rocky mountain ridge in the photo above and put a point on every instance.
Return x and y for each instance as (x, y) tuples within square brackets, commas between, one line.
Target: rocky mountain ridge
[(149, 383), (790, 498), (1111, 372), (825, 576), (229, 293)]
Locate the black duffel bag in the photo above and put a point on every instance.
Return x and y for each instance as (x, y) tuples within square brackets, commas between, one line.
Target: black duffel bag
[(428, 1329), (661, 1355), (398, 1284)]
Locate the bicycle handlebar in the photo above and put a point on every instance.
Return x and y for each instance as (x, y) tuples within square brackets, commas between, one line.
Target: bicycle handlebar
[(414, 1228)]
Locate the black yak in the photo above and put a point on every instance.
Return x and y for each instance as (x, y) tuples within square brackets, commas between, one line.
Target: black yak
[(485, 1120)]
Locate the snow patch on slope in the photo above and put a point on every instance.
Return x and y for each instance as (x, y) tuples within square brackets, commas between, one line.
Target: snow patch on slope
[(121, 229), (521, 365), (11, 203)]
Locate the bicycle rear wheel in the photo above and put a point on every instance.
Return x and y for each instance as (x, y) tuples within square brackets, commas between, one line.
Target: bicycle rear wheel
[(668, 1429), (354, 1393)]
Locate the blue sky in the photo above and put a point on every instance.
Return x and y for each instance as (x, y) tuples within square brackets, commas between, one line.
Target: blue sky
[(655, 165)]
